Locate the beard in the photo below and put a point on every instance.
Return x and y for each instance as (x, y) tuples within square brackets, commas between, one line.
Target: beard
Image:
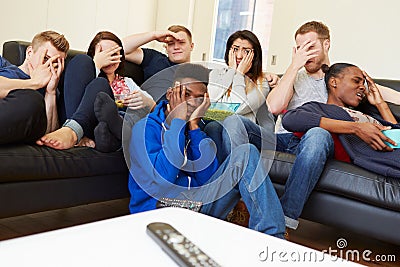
[(315, 64), (313, 67)]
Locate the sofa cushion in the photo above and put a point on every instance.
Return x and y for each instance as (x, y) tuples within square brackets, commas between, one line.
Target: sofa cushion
[(348, 180), (32, 162)]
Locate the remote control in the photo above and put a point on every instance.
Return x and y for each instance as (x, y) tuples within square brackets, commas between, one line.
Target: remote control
[(177, 246)]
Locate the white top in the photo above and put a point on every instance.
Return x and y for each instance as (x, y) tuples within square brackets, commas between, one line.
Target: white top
[(123, 241), (306, 89), (221, 79), (133, 86)]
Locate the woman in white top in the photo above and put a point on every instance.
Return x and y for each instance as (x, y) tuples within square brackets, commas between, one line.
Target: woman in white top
[(242, 80)]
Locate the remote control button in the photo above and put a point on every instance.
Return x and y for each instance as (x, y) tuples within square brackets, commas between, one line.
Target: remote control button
[(202, 257), (196, 250), (174, 238), (192, 260), (167, 231)]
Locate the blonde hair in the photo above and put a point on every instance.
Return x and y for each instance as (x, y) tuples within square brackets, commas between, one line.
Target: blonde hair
[(56, 39)]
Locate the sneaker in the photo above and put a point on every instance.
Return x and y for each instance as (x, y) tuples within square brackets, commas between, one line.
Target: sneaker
[(287, 234)]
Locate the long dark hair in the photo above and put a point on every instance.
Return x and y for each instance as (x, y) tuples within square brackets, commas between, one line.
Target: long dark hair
[(255, 71), (105, 35)]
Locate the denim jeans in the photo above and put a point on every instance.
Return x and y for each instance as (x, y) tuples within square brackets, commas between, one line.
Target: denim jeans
[(312, 152), (239, 130), (240, 176), (213, 129)]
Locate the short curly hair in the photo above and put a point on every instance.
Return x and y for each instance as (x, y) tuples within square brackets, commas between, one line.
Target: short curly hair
[(193, 71)]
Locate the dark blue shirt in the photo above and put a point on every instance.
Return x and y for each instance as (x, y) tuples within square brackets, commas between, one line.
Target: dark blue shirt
[(156, 62), (153, 62), (309, 115), (11, 71)]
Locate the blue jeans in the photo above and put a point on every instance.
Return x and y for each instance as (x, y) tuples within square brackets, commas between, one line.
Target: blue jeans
[(240, 176), (312, 152), (239, 130), (213, 129)]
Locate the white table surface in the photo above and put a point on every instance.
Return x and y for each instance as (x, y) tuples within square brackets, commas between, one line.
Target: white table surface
[(123, 241)]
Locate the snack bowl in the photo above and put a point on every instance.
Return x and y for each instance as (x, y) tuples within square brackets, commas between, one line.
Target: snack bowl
[(218, 111)]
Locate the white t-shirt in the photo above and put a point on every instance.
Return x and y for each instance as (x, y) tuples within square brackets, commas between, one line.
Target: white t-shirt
[(133, 86), (223, 79), (306, 89)]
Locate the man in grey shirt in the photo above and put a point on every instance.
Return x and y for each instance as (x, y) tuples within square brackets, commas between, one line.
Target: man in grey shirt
[(303, 82)]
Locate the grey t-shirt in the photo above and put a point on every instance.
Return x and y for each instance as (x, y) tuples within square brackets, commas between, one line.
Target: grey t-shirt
[(306, 89)]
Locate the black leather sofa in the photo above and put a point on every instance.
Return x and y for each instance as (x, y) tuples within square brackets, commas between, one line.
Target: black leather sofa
[(36, 178)]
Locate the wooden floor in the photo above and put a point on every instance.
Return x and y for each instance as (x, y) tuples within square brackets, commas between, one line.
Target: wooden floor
[(309, 234)]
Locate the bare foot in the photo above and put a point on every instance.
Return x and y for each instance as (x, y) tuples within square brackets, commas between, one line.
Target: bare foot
[(62, 138), (85, 141)]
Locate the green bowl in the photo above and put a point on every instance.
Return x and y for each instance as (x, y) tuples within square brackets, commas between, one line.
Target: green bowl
[(218, 111)]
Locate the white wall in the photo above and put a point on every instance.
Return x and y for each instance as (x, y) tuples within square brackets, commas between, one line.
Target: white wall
[(363, 32), (78, 20), (196, 15)]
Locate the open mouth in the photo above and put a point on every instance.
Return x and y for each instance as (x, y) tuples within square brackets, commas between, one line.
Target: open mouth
[(360, 95)]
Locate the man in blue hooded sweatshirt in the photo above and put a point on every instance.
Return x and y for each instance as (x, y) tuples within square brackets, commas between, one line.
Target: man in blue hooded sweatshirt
[(172, 157)]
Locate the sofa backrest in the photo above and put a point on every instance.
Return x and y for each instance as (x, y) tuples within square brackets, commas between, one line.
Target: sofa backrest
[(394, 84), (14, 51)]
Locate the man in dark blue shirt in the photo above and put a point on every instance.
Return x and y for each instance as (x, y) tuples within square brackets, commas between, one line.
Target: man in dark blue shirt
[(178, 45), (26, 114)]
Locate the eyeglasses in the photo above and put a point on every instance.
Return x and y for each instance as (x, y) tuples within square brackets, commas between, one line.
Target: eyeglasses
[(246, 51)]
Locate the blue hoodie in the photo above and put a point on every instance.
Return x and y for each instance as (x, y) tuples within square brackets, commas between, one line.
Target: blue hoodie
[(159, 167)]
